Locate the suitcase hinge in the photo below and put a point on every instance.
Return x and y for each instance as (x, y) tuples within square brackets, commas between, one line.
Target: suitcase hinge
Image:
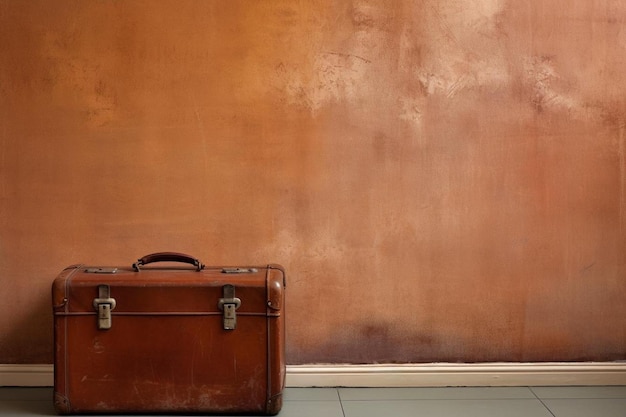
[(229, 304), (103, 305)]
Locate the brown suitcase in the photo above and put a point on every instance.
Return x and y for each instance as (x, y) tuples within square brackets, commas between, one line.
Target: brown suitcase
[(169, 338)]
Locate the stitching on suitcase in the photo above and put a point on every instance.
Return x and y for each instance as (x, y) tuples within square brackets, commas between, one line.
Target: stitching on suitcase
[(66, 335), (268, 361), (161, 313)]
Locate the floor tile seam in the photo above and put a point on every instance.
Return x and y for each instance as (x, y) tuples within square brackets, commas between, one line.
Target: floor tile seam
[(526, 395), (569, 397), (338, 392), (541, 401), (343, 411), (582, 398), (312, 401), (338, 396), (438, 399), (435, 398)]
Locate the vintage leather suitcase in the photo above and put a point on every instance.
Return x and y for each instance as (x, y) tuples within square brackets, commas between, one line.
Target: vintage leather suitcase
[(169, 338)]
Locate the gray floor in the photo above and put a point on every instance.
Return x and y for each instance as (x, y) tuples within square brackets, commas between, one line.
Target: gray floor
[(400, 402)]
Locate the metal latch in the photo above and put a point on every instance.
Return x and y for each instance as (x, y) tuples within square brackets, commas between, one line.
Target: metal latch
[(229, 304), (103, 305)]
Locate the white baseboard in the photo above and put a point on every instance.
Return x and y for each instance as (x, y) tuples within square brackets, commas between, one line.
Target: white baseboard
[(459, 375), (408, 375), (26, 375)]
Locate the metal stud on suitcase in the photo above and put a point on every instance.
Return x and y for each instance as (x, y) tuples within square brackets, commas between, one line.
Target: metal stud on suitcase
[(169, 339)]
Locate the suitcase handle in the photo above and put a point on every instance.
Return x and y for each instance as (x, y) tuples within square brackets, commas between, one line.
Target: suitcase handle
[(168, 257)]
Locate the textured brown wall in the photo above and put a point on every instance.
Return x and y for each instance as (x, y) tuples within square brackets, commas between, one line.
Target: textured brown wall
[(444, 180)]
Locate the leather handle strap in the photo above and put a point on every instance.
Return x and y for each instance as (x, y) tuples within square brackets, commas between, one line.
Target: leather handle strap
[(168, 257)]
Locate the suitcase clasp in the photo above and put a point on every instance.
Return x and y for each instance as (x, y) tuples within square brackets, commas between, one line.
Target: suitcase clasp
[(103, 305), (229, 304)]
